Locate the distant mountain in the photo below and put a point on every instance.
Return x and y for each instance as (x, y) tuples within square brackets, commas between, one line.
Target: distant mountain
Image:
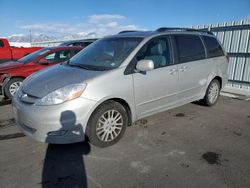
[(34, 38), (80, 36), (43, 37)]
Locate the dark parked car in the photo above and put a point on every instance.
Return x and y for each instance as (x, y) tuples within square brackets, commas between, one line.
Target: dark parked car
[(13, 73), (83, 43)]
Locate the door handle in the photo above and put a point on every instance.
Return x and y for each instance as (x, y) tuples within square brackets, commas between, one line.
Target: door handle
[(183, 68), (173, 71)]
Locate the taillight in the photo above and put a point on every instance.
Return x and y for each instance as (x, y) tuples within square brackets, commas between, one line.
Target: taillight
[(227, 56)]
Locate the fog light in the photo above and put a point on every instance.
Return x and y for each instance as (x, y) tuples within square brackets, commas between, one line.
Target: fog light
[(57, 133)]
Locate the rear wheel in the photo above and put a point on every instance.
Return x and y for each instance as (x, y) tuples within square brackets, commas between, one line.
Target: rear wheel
[(212, 93), (107, 124), (12, 87)]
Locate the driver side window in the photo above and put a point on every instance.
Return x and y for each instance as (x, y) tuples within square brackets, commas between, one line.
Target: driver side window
[(1, 44), (158, 50), (58, 56), (50, 57)]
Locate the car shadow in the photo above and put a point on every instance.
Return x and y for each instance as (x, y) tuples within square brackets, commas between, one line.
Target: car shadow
[(64, 163), (4, 102)]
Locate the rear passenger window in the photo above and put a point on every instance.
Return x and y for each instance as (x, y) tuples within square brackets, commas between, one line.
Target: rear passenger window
[(214, 49), (189, 48)]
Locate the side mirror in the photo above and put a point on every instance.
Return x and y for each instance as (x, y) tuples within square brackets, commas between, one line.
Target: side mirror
[(43, 61), (145, 65)]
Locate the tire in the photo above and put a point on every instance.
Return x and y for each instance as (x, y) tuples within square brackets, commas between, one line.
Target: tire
[(107, 124), (12, 86), (212, 93)]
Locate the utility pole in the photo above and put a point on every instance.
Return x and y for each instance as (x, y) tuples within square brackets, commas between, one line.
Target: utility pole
[(30, 36)]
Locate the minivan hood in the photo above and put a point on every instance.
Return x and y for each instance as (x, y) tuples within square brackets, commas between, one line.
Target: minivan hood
[(10, 65), (46, 81)]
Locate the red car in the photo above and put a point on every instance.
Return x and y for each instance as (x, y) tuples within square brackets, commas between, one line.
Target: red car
[(9, 53), (14, 72)]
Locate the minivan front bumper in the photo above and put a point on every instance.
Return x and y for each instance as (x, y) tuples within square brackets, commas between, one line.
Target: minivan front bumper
[(60, 124)]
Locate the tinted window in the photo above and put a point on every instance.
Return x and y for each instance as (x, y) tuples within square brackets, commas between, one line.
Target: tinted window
[(1, 44), (213, 47), (81, 44), (189, 48), (77, 44), (158, 50), (74, 52), (87, 43)]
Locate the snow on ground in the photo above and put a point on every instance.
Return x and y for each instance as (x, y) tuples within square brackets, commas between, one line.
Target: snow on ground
[(20, 44)]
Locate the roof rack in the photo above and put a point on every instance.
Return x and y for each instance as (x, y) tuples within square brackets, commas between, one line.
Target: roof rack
[(127, 31), (162, 29)]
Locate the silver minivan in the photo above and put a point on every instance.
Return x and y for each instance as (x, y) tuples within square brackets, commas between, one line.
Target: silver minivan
[(118, 80)]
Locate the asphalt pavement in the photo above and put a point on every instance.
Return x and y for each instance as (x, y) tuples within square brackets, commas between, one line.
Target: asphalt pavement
[(190, 146)]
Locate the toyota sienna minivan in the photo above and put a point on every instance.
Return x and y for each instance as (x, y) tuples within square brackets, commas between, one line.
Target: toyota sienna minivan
[(118, 80)]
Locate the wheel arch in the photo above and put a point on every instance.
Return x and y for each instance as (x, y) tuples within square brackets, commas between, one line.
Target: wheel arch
[(219, 79), (119, 100), (6, 80), (205, 100), (125, 105), (209, 80), (17, 77), (90, 133)]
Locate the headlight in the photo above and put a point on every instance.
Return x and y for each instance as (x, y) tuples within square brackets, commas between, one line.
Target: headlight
[(61, 95)]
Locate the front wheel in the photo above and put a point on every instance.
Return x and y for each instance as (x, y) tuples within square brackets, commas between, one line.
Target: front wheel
[(12, 87), (212, 93), (107, 124)]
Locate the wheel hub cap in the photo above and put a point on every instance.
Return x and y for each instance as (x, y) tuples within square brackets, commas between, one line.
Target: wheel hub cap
[(14, 87), (109, 125), (213, 93)]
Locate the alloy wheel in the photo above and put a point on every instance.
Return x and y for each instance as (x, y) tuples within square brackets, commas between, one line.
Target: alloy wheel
[(213, 92), (14, 87), (109, 125)]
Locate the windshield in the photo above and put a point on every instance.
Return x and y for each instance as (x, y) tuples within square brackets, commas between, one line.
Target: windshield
[(33, 55), (105, 54)]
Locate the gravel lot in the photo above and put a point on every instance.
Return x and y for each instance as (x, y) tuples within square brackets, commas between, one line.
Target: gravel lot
[(190, 146)]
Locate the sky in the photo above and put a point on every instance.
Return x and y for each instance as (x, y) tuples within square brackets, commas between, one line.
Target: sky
[(63, 17)]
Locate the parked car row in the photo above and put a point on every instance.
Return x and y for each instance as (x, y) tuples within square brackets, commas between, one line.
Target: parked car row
[(117, 80), (10, 53), (25, 61), (13, 73)]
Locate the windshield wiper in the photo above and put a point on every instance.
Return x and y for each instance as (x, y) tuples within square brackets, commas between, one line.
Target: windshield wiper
[(65, 62), (79, 65), (90, 67)]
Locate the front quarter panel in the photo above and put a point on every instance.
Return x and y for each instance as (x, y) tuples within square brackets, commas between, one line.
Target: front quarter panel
[(29, 69), (113, 84), (23, 71)]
